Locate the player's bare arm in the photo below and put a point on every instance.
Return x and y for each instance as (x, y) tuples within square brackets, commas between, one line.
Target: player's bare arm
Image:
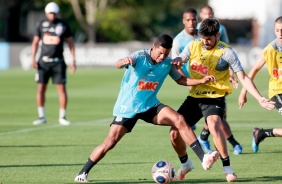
[(178, 62), (233, 79), (72, 51), (34, 48), (251, 88), (123, 62), (192, 82), (242, 99)]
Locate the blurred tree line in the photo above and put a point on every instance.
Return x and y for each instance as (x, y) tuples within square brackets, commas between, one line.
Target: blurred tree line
[(119, 20)]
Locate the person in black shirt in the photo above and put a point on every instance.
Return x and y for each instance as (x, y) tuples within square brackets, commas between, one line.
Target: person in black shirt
[(52, 32)]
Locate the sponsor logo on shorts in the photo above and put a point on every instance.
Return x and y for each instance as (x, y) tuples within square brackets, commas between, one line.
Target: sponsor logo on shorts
[(118, 119)]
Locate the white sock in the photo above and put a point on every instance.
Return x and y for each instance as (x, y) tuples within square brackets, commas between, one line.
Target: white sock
[(228, 169), (41, 112), (62, 113)]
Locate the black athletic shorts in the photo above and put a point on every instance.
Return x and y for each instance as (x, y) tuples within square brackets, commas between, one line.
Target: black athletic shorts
[(278, 102), (193, 109), (55, 70), (147, 116)]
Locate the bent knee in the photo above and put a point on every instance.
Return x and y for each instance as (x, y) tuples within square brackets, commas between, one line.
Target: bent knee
[(179, 121)]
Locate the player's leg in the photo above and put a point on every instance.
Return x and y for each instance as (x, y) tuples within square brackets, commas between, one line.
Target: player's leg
[(260, 134), (237, 147), (213, 115), (41, 77), (119, 127), (180, 132), (40, 98), (277, 132), (63, 100), (59, 78), (203, 139)]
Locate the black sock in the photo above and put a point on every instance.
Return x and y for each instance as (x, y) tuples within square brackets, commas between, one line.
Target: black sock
[(232, 141), (265, 133), (183, 159), (87, 167), (196, 147), (225, 161), (205, 134)]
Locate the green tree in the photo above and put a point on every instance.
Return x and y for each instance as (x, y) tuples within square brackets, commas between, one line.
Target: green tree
[(123, 20)]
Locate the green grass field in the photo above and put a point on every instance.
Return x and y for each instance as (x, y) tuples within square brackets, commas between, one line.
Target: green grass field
[(55, 154)]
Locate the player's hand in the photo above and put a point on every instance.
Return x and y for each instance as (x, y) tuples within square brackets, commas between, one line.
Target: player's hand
[(242, 99), (266, 103), (34, 64), (234, 82), (177, 62), (121, 63), (73, 67), (127, 61), (209, 78)]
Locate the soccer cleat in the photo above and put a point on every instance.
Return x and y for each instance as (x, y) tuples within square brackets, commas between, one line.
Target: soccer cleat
[(63, 121), (205, 145), (238, 149), (39, 121), (184, 169), (229, 174), (231, 177), (82, 178), (209, 159), (256, 141), (254, 146)]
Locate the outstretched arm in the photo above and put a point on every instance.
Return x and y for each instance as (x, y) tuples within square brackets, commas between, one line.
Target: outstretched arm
[(192, 82), (233, 79), (178, 62), (251, 88), (243, 95)]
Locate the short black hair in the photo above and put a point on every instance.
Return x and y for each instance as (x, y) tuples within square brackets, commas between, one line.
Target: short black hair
[(191, 10), (164, 40), (209, 27)]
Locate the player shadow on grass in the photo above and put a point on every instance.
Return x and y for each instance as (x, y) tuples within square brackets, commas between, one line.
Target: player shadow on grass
[(268, 179), (63, 165), (145, 181), (38, 146), (38, 165), (262, 179)]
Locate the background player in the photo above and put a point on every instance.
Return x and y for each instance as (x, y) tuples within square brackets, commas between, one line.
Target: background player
[(188, 34), (52, 31), (272, 57)]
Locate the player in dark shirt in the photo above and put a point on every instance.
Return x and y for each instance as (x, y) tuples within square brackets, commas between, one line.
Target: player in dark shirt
[(52, 32)]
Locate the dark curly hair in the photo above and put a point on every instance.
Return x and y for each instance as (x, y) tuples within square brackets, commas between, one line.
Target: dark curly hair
[(209, 27)]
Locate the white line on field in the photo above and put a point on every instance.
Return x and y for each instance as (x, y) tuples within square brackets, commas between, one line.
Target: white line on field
[(109, 120), (44, 127)]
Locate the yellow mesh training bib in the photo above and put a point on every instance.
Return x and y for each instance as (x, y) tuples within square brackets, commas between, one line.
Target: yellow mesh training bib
[(273, 60), (202, 63)]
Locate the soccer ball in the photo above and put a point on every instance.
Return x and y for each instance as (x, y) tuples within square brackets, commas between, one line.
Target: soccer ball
[(163, 172)]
